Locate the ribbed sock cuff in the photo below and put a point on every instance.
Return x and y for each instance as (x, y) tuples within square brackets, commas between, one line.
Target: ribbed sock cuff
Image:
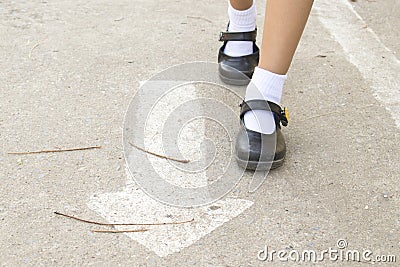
[(242, 20), (266, 85)]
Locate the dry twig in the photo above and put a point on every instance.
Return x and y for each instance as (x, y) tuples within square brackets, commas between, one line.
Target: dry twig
[(158, 155), (334, 112), (118, 231), (53, 150), (33, 47), (198, 17), (119, 224)]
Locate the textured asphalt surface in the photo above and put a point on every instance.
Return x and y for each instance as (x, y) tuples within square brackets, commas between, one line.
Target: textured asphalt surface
[(68, 70)]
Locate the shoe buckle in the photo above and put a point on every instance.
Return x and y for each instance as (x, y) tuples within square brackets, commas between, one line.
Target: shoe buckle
[(284, 116), (221, 36)]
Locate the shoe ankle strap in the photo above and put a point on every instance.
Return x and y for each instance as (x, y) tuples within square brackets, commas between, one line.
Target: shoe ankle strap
[(238, 36), (281, 115)]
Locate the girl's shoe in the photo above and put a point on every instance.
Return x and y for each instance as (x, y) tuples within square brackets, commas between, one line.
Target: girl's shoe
[(237, 70), (257, 151)]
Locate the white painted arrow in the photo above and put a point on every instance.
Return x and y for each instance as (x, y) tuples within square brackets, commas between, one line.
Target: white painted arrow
[(133, 205)]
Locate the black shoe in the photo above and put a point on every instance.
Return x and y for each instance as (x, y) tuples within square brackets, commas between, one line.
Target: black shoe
[(237, 70), (257, 151)]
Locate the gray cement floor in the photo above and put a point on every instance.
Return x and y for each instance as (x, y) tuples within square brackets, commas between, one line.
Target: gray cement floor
[(68, 71)]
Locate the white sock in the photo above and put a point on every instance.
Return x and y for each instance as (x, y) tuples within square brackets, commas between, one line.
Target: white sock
[(268, 86), (241, 21)]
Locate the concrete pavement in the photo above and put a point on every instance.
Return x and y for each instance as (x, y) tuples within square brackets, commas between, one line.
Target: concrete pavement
[(69, 71)]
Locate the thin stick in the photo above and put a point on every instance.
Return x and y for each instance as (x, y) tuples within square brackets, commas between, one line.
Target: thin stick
[(334, 112), (119, 224), (33, 48), (53, 151), (197, 17), (36, 45), (323, 115), (118, 231), (158, 155)]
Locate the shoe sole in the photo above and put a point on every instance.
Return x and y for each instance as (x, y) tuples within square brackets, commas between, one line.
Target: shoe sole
[(232, 76), (259, 166), (231, 81)]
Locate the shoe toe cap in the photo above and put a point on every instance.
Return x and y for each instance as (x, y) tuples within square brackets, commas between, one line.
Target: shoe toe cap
[(253, 146)]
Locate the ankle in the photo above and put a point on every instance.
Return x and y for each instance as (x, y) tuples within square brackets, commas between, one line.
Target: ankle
[(268, 86), (240, 21)]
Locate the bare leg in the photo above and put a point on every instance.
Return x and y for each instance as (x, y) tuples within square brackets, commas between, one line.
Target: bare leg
[(284, 24), (241, 4)]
